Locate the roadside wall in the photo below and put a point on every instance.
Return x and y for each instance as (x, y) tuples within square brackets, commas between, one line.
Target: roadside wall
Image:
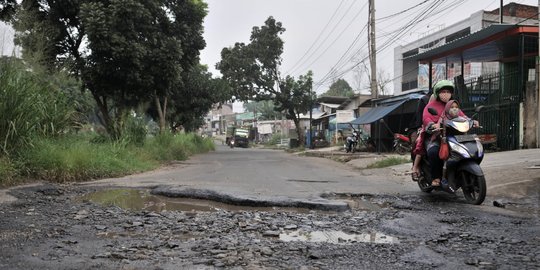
[(530, 116)]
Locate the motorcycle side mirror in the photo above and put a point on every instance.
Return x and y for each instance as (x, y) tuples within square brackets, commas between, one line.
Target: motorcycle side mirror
[(432, 111), (479, 108)]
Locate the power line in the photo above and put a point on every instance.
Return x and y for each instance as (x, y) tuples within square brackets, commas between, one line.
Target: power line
[(319, 36), (417, 19), (337, 38), (328, 36), (412, 23), (422, 16), (403, 11), (346, 52), (528, 18)]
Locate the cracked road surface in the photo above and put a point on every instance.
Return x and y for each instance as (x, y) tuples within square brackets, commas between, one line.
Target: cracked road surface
[(387, 224)]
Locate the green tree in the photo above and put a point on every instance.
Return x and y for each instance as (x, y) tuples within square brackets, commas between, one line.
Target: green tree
[(253, 72), (201, 91), (267, 108), (134, 50), (339, 88)]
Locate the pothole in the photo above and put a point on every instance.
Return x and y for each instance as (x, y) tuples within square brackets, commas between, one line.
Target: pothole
[(136, 200), (361, 202), (337, 237)]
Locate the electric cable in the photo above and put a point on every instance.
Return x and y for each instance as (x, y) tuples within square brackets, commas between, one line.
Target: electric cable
[(328, 36), (319, 36)]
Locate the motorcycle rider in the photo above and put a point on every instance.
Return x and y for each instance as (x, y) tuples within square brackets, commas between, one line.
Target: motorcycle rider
[(442, 92), (352, 140)]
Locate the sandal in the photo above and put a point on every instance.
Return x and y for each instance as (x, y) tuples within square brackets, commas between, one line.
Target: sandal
[(436, 183), (415, 176)]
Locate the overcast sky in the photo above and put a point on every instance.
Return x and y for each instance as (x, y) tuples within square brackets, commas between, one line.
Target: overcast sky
[(322, 35), (319, 32)]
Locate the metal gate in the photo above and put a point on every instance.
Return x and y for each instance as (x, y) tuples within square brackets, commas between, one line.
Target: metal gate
[(500, 94)]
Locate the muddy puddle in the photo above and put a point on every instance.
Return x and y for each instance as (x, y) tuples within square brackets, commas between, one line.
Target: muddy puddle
[(337, 237), (136, 200), (362, 203)]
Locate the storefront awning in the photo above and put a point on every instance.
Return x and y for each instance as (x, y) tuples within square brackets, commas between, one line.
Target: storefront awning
[(376, 113)]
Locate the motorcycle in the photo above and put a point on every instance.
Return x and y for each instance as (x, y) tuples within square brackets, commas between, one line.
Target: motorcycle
[(402, 144), (352, 142), (462, 168)]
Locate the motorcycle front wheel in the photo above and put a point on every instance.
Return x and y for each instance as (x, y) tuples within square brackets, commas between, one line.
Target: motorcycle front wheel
[(424, 183), (473, 187)]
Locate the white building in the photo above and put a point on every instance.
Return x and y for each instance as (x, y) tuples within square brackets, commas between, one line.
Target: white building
[(413, 76)]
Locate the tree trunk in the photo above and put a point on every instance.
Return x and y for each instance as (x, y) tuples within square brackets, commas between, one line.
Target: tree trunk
[(105, 118), (301, 140), (296, 121), (162, 112)]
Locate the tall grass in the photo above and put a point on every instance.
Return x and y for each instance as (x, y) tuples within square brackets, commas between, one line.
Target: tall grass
[(8, 171), (75, 158), (28, 107), (167, 147)]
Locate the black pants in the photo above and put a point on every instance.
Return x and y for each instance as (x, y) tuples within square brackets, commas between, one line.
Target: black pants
[(435, 162)]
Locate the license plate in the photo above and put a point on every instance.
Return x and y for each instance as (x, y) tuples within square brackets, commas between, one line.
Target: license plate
[(466, 138)]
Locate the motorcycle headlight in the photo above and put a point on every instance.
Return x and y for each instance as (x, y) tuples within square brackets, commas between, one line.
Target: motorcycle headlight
[(460, 149)]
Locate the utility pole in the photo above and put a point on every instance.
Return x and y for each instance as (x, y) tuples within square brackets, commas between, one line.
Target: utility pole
[(501, 12), (372, 49), (538, 84), (311, 116)]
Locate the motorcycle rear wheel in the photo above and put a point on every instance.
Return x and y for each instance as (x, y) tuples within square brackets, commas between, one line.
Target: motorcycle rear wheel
[(474, 188), (400, 149)]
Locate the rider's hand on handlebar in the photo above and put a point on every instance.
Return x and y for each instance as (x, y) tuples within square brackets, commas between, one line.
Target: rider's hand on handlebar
[(432, 127), (436, 126), (476, 123)]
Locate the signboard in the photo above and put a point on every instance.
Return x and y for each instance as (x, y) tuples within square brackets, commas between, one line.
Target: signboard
[(344, 116), (265, 129)]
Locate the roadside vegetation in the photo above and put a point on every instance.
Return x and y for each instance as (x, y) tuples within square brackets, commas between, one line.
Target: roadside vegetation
[(91, 98), (387, 162), (42, 138)]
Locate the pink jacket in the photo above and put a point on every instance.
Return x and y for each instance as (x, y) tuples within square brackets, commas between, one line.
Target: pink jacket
[(428, 117)]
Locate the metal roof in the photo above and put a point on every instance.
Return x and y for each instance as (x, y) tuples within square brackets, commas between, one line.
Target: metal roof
[(486, 35), (376, 113), (330, 105)]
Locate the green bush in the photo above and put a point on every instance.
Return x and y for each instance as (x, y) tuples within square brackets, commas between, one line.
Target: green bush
[(134, 130), (276, 139), (167, 146), (163, 147)]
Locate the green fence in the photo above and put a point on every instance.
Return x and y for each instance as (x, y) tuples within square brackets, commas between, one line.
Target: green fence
[(500, 95)]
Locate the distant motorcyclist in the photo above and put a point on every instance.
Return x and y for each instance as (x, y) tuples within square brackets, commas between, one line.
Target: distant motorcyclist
[(352, 141)]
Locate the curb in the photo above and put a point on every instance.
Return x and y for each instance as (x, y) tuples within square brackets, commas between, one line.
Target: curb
[(244, 200)]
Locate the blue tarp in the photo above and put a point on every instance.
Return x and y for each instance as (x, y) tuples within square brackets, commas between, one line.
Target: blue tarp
[(377, 113)]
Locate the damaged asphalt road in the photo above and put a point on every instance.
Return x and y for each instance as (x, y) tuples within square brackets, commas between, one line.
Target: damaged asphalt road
[(379, 221), (54, 227)]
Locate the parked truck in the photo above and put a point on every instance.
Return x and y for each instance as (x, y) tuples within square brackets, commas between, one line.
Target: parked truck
[(237, 136)]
